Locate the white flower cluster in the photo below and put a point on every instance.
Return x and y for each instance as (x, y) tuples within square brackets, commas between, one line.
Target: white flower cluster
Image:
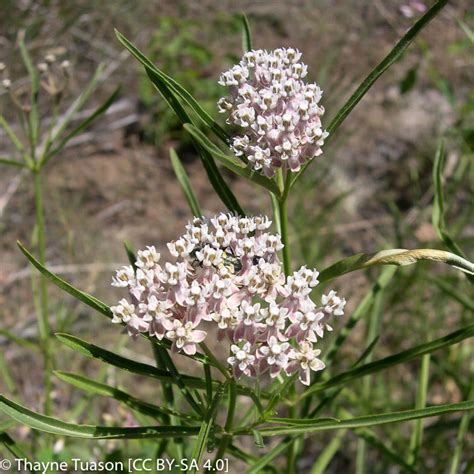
[(226, 272), (278, 111)]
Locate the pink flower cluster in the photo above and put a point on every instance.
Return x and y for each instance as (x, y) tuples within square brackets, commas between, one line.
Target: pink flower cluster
[(226, 272), (277, 110)]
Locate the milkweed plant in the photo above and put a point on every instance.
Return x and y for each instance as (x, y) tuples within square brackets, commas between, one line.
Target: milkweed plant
[(227, 296)]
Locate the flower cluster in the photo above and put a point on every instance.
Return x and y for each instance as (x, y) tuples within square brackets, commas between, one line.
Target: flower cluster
[(226, 272), (277, 110)]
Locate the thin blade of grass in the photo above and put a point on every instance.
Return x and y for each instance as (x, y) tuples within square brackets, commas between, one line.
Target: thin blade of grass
[(452, 291), (183, 180), (52, 425), (393, 56)]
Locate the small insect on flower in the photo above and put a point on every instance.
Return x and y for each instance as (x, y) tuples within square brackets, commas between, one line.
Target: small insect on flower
[(226, 273)]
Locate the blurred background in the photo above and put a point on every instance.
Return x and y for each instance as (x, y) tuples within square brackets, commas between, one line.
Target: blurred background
[(371, 189)]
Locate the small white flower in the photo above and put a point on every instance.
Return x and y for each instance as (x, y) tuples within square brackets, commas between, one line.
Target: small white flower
[(147, 258), (124, 277), (123, 311)]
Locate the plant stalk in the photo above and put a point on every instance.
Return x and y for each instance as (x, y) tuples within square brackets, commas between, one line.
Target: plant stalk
[(42, 315)]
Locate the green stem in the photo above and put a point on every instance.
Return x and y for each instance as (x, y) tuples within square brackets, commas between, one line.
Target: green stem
[(417, 435), (227, 436), (43, 321), (283, 214), (282, 221)]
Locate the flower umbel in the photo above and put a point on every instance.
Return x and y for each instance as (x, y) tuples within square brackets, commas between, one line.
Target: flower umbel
[(279, 113), (225, 272)]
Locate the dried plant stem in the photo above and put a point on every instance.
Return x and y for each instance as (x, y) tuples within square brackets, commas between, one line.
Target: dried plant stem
[(43, 321)]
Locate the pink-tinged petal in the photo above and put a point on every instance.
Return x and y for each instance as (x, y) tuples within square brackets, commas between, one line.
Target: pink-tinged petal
[(190, 348), (239, 333), (237, 372), (305, 376), (198, 336), (167, 324), (274, 371), (291, 368)]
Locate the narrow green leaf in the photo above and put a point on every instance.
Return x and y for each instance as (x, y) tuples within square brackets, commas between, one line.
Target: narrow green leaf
[(457, 295), (82, 126), (256, 467), (461, 437), (390, 361), (183, 180), (422, 389), (95, 352), (246, 34), (48, 424), (97, 388), (12, 446), (89, 300), (180, 381), (467, 31), (392, 57), (399, 257), (258, 439), (8, 162), (75, 107), (231, 162), (327, 454), (21, 341), (11, 134), (305, 426), (362, 309), (33, 119), (207, 424), (437, 215), (130, 254), (175, 87), (372, 438), (210, 167)]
